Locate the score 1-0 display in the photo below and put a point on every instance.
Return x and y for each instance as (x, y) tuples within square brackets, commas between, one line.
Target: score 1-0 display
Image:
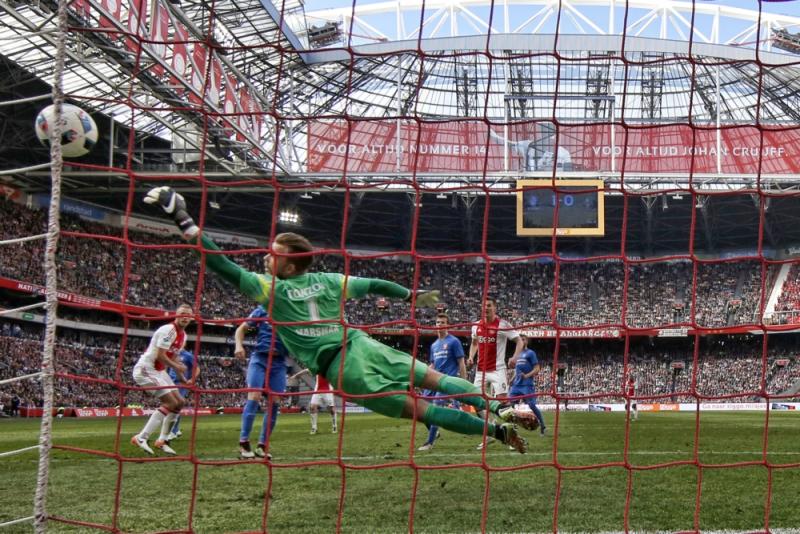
[(568, 207)]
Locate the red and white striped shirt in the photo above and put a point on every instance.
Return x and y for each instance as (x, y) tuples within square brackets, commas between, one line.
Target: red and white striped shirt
[(167, 337), (492, 339), (322, 384), (631, 387)]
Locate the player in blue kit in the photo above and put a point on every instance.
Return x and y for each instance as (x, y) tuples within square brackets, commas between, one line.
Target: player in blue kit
[(188, 378), (264, 357), (526, 367), (447, 357)]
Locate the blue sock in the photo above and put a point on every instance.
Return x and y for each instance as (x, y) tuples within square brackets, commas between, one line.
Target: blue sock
[(537, 413), (273, 418), (248, 417), (176, 426), (432, 431)]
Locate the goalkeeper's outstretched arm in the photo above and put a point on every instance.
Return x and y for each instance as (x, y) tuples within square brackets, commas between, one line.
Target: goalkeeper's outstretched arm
[(359, 287), (253, 285), (258, 286)]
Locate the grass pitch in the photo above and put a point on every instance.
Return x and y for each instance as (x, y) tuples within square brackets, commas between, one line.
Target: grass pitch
[(575, 480)]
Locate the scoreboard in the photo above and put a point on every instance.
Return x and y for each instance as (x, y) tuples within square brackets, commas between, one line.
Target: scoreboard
[(563, 207)]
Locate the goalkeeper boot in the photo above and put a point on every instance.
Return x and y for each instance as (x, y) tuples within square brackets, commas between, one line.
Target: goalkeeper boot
[(526, 420), (164, 447), (136, 441), (261, 452), (244, 451), (426, 447), (511, 437)]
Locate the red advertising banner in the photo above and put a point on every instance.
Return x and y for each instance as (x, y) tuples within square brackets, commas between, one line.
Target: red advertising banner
[(472, 146), (79, 300), (390, 145), (132, 412), (659, 407)]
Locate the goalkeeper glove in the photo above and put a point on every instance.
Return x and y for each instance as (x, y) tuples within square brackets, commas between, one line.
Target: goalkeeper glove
[(174, 204), (425, 299)]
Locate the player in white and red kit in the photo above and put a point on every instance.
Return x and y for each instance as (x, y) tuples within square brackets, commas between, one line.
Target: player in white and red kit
[(322, 398), (151, 370), (630, 392), (490, 336)]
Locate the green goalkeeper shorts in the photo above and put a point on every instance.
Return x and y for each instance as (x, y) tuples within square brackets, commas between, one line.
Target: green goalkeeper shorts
[(372, 367)]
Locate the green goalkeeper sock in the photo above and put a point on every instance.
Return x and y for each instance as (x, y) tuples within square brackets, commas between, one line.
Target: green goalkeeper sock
[(457, 421), (453, 385)]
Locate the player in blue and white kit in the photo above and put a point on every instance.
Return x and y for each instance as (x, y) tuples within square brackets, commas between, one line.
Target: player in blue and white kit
[(526, 367), (188, 378), (265, 357), (447, 357)]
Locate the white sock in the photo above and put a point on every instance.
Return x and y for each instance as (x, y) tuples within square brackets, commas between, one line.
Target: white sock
[(166, 425), (313, 421), (333, 419), (152, 424)]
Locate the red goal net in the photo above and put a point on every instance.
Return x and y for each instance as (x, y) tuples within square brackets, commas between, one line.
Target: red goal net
[(620, 181)]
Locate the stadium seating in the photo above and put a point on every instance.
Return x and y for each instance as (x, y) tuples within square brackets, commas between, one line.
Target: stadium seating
[(588, 294)]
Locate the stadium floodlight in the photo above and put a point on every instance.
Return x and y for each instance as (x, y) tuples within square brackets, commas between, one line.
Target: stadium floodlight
[(289, 217)]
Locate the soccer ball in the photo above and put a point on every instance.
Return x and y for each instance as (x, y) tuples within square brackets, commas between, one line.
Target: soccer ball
[(80, 131)]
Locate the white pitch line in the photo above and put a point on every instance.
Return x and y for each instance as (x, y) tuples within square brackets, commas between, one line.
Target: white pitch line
[(16, 521), (771, 530), (475, 457), (19, 451)]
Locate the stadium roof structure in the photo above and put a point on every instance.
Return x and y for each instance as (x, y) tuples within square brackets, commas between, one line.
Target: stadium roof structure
[(643, 62)]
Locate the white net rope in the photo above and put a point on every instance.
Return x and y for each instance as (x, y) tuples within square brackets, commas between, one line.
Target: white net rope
[(51, 277)]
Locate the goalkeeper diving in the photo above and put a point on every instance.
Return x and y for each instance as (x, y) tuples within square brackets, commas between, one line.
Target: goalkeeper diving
[(307, 310)]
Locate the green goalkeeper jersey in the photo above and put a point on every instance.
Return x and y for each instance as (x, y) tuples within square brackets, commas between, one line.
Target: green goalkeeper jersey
[(315, 300)]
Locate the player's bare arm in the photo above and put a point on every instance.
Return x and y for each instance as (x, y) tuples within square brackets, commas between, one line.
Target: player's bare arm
[(299, 374), (473, 350), (238, 337), (517, 351), (195, 373)]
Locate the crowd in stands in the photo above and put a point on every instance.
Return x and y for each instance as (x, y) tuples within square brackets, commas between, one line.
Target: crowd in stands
[(568, 293), (732, 366), (587, 294), (788, 307), (725, 375)]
